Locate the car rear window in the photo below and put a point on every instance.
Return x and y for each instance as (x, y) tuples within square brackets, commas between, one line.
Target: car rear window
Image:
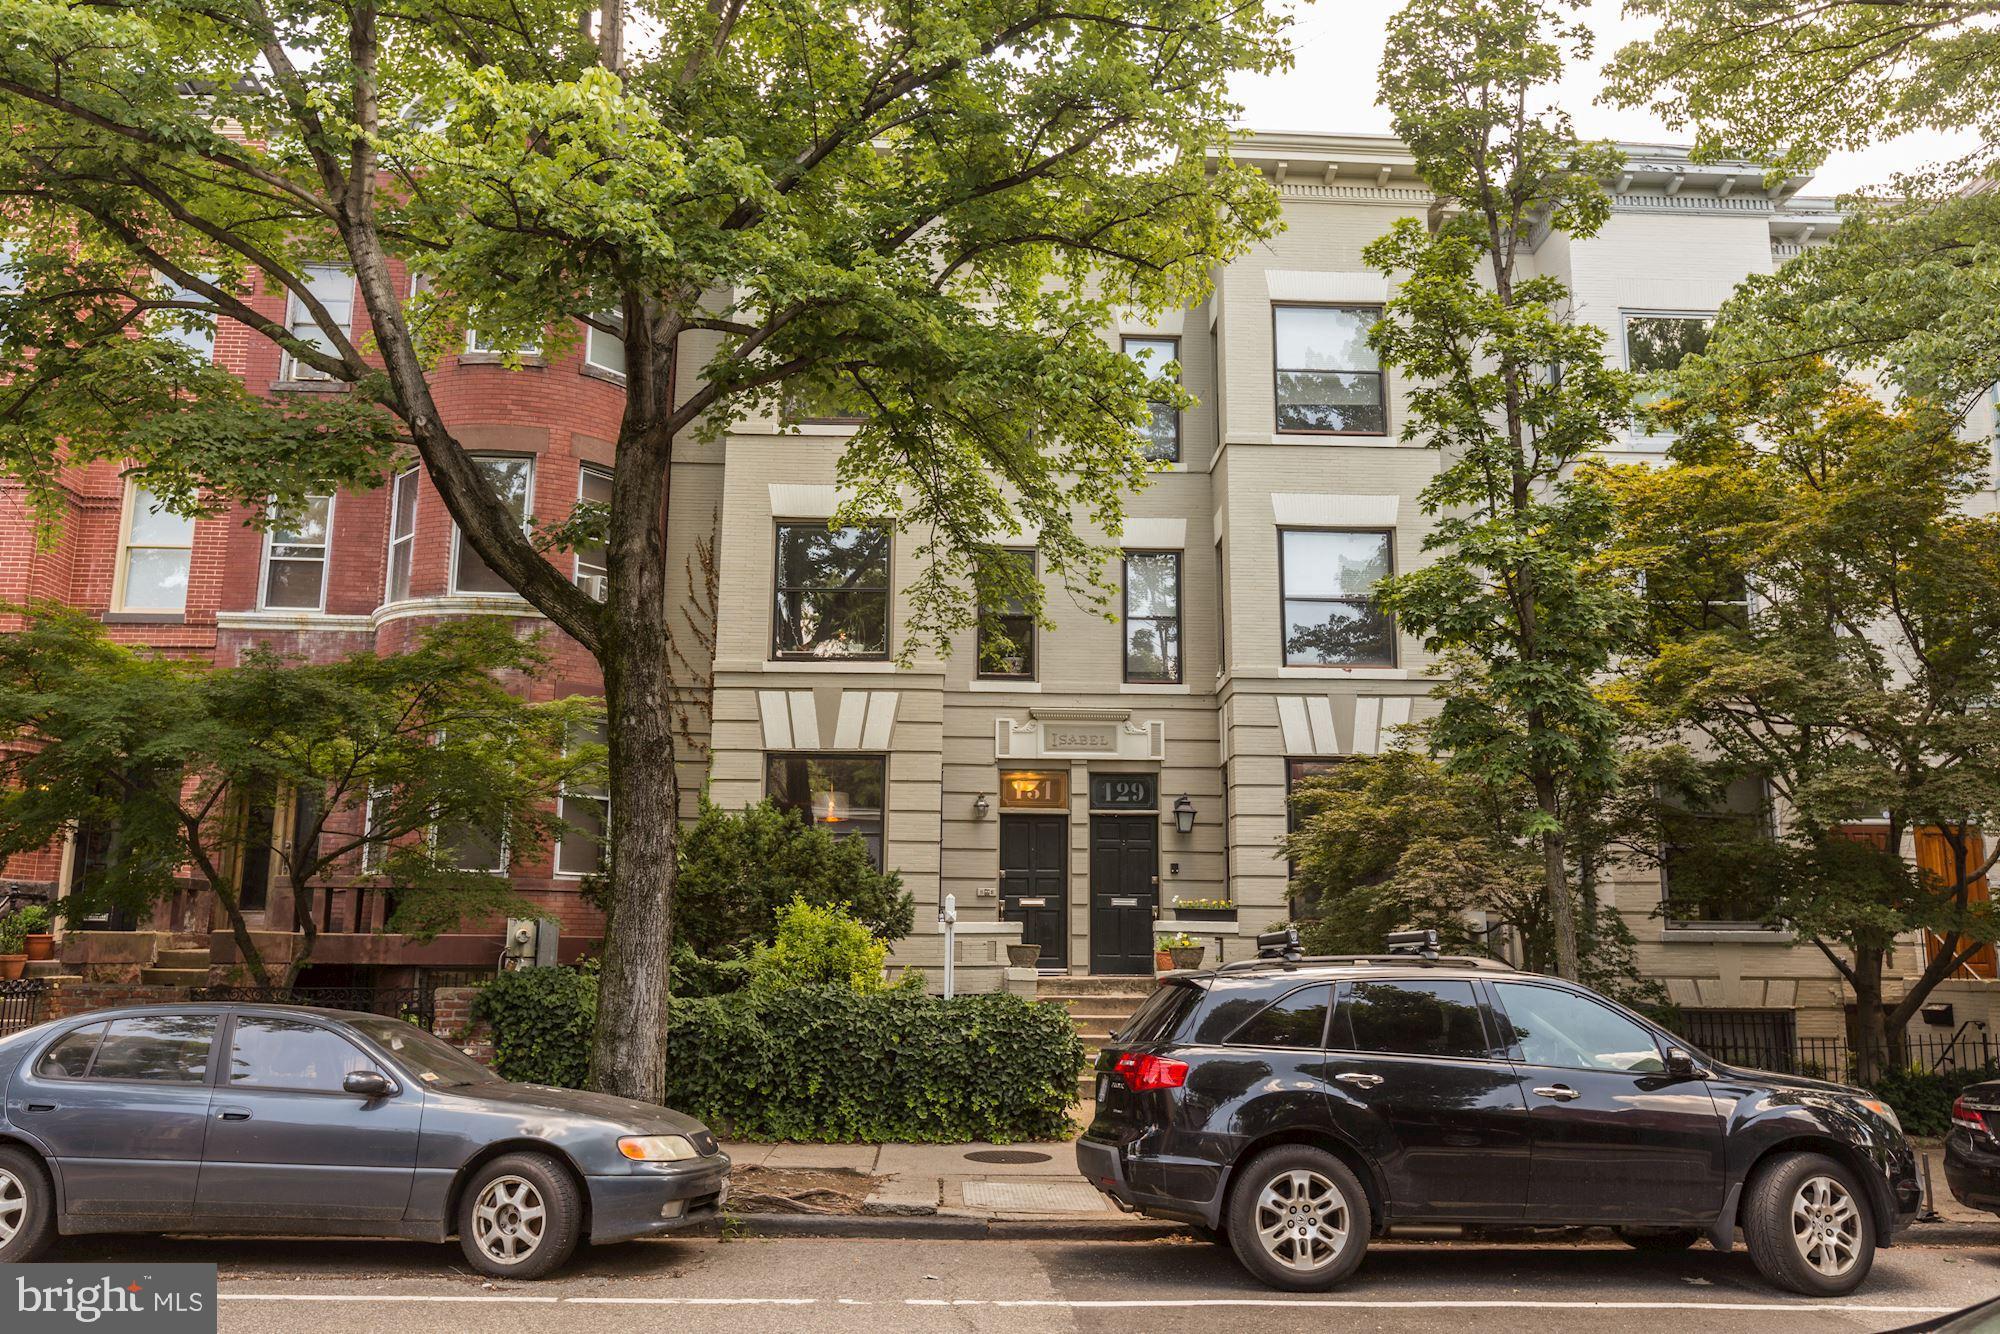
[(1160, 1015), (1295, 1020)]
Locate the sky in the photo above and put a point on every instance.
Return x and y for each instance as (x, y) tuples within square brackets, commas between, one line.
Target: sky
[(1338, 45)]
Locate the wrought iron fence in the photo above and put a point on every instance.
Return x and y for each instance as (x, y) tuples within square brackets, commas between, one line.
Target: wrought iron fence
[(418, 1004), (1766, 1040), (21, 1003)]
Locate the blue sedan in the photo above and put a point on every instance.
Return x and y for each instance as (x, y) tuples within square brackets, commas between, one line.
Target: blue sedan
[(244, 1119)]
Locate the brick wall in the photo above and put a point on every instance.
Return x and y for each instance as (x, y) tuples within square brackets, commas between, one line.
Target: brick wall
[(67, 998)]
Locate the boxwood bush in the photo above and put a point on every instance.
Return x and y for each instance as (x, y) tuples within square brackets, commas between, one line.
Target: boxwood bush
[(820, 1063)]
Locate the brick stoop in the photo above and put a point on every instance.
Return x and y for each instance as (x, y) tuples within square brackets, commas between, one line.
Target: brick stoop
[(1099, 1007)]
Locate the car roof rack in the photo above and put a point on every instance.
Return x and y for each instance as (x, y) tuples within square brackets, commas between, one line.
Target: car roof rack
[(1407, 949)]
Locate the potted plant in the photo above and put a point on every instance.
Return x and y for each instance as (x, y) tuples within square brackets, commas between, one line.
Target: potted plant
[(36, 938), (13, 959), (1023, 955), (1205, 910), (1182, 950), (1163, 960)]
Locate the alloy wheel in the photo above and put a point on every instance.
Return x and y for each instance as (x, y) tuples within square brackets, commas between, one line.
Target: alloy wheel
[(13, 1206), (1302, 1220), (509, 1219), (1826, 1226)]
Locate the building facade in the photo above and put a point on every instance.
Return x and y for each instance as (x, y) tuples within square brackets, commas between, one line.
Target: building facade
[(1083, 788)]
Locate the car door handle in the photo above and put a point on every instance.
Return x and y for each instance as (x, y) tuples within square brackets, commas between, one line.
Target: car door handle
[(40, 1107), (1560, 1092), (232, 1113), (1359, 1080)]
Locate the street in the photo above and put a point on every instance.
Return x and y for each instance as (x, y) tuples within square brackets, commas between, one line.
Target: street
[(307, 1287)]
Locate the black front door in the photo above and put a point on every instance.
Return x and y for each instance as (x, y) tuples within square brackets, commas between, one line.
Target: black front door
[(1034, 882), (1124, 879)]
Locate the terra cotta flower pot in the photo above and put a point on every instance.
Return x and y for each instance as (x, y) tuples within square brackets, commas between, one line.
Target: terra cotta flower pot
[(12, 966), (41, 945)]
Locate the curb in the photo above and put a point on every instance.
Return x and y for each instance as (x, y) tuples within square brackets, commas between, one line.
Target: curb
[(934, 1227)]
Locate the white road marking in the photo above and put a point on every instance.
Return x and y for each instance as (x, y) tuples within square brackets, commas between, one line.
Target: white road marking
[(1063, 1303)]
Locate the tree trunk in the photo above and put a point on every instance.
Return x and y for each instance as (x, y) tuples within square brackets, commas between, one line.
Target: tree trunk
[(1868, 1033), (1555, 878)]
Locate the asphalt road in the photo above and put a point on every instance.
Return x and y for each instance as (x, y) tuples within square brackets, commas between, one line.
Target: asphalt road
[(868, 1287)]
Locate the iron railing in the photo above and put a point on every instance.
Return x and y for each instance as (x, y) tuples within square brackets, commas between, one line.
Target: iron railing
[(21, 1003), (418, 1004), (1767, 1040)]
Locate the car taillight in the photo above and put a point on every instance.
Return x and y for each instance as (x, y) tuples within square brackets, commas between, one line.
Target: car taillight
[(1145, 1071), (1967, 1117)]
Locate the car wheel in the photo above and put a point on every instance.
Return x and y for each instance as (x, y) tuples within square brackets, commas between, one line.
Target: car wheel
[(1659, 1239), (1298, 1219), (519, 1217), (27, 1207), (1808, 1226)]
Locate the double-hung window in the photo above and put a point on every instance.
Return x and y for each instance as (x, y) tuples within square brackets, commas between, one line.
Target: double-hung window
[(153, 567), (593, 487), (295, 556), (586, 809), (603, 350), (1656, 345), (513, 480), (191, 329), (842, 794), (1153, 617), (832, 592), (1006, 626), (1329, 380), (1163, 431), (333, 287), (1330, 616)]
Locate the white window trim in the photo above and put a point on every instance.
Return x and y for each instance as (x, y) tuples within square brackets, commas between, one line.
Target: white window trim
[(291, 369), (118, 602), (416, 501), (472, 348), (372, 853), (527, 526), (563, 794), (1649, 442), (590, 334), (325, 560), (576, 574)]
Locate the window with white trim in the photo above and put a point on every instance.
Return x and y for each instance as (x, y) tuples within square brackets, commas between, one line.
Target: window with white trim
[(333, 287), (295, 556), (1656, 345), (191, 329), (593, 487), (402, 535), (605, 351), (513, 480), (586, 809), (153, 562)]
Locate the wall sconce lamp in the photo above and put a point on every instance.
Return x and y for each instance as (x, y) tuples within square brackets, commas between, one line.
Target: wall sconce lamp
[(1184, 814), (980, 806)]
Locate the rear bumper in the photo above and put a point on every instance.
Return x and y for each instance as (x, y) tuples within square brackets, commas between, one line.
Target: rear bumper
[(1184, 1190), (662, 1199), (1972, 1171)]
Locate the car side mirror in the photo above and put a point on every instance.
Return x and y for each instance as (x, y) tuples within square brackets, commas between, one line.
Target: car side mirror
[(369, 1084), (1680, 1064)]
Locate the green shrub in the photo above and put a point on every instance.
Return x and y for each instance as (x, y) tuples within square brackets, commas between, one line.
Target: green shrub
[(1923, 1100), (13, 934), (692, 975), (819, 947), (541, 1020), (739, 869)]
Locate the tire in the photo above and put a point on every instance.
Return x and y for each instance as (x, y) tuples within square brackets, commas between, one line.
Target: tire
[(27, 1207), (1809, 1225), (1659, 1240), (1298, 1220), (520, 1217)]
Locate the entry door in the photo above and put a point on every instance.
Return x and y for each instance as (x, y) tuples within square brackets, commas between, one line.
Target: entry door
[(1124, 881), (1034, 882)]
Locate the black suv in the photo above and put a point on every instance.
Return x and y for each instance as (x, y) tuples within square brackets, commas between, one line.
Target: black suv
[(1297, 1107)]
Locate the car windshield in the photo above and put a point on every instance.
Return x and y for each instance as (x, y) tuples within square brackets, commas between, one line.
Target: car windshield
[(432, 1060)]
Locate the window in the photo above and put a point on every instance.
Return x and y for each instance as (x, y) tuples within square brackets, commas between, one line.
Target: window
[(1547, 1026), (1164, 432), (275, 1052), (333, 288), (1297, 1020), (1415, 1018), (156, 1048), (1709, 855), (480, 342), (153, 572), (256, 852), (374, 826), (513, 480), (602, 350), (193, 330), (840, 402), (1657, 344), (593, 487), (842, 794), (467, 847), (1160, 1015), (1329, 381), (1153, 616), (70, 1058), (1330, 615), (1006, 627), (587, 809), (402, 535), (295, 551), (832, 592), (432, 1060)]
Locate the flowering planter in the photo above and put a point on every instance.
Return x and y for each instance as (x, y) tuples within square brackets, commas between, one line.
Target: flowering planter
[(1188, 956), (1205, 914)]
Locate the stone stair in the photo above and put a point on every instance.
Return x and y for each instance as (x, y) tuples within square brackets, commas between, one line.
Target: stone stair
[(1099, 1007), (180, 966)]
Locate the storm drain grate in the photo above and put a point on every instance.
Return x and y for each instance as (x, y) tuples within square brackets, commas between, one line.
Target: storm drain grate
[(1006, 1156)]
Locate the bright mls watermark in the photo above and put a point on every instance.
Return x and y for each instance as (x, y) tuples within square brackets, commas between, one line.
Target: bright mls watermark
[(156, 1299)]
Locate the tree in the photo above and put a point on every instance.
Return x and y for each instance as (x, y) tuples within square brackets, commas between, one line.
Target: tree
[(1858, 678), (1400, 841), (931, 210), (389, 764), (1512, 395)]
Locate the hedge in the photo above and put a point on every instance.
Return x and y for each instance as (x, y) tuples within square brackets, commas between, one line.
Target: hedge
[(821, 1063), (1922, 1099)]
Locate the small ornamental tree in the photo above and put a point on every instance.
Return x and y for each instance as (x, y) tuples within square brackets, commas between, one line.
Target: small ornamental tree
[(390, 766), (927, 213), (1512, 395)]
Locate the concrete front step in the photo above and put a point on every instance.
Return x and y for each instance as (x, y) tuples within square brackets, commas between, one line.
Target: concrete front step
[(182, 958), (174, 977), (1052, 987)]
